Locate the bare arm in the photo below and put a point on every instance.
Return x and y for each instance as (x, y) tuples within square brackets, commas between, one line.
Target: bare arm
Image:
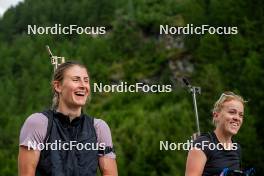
[(108, 166), (27, 161), (195, 162)]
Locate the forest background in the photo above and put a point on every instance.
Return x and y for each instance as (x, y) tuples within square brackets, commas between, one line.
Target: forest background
[(133, 51)]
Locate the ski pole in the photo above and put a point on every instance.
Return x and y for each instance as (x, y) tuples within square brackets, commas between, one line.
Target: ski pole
[(194, 90)]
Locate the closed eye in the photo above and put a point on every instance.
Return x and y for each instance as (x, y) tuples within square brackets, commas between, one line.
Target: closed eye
[(232, 112)]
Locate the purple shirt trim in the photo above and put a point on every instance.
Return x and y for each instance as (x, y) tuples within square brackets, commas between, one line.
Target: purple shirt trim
[(35, 129)]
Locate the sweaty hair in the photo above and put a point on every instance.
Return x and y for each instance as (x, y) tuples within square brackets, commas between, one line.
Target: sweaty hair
[(59, 75), (225, 97)]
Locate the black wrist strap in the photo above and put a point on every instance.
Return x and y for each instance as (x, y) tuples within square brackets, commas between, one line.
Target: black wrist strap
[(106, 150)]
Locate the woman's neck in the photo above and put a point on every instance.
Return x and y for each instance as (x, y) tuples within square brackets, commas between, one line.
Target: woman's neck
[(71, 112), (222, 136)]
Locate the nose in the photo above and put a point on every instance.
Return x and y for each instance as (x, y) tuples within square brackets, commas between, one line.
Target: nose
[(236, 117), (81, 83)]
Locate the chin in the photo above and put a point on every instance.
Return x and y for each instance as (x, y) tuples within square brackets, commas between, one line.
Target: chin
[(78, 104), (233, 132), (81, 104)]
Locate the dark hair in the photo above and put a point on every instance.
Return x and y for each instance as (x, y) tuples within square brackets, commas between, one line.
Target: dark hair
[(59, 75)]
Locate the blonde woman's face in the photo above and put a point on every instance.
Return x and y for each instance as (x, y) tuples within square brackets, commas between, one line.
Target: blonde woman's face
[(230, 117), (75, 87)]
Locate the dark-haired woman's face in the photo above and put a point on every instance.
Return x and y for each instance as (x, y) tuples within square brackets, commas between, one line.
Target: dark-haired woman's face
[(74, 88)]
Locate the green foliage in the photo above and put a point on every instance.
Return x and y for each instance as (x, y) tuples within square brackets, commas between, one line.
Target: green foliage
[(141, 122), (133, 51)]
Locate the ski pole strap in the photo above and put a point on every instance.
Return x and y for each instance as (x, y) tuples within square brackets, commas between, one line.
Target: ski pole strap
[(229, 172), (250, 172)]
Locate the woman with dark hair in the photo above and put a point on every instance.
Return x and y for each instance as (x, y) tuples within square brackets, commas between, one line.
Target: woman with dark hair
[(64, 141), (215, 151)]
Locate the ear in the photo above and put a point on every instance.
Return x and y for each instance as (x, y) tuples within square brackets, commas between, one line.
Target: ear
[(215, 114), (57, 86)]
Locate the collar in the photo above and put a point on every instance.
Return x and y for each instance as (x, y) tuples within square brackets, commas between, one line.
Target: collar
[(64, 119)]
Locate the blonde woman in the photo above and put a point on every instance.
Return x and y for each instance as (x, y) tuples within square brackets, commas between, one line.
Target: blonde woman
[(215, 151), (75, 143)]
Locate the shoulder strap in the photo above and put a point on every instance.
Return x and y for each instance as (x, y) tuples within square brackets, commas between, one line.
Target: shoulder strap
[(211, 137), (49, 115)]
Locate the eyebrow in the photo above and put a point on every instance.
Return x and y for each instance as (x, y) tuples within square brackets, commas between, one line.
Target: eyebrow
[(79, 77), (233, 108)]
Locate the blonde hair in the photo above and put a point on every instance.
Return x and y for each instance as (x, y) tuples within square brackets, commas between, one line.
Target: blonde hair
[(58, 76), (225, 97)]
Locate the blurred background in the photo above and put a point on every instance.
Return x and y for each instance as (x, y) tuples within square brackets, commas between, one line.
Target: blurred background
[(133, 51)]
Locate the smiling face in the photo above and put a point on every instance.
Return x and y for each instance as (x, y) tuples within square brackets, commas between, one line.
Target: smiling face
[(230, 117), (74, 89)]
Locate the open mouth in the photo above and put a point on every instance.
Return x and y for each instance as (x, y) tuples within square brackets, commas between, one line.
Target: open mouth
[(235, 124), (80, 93)]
